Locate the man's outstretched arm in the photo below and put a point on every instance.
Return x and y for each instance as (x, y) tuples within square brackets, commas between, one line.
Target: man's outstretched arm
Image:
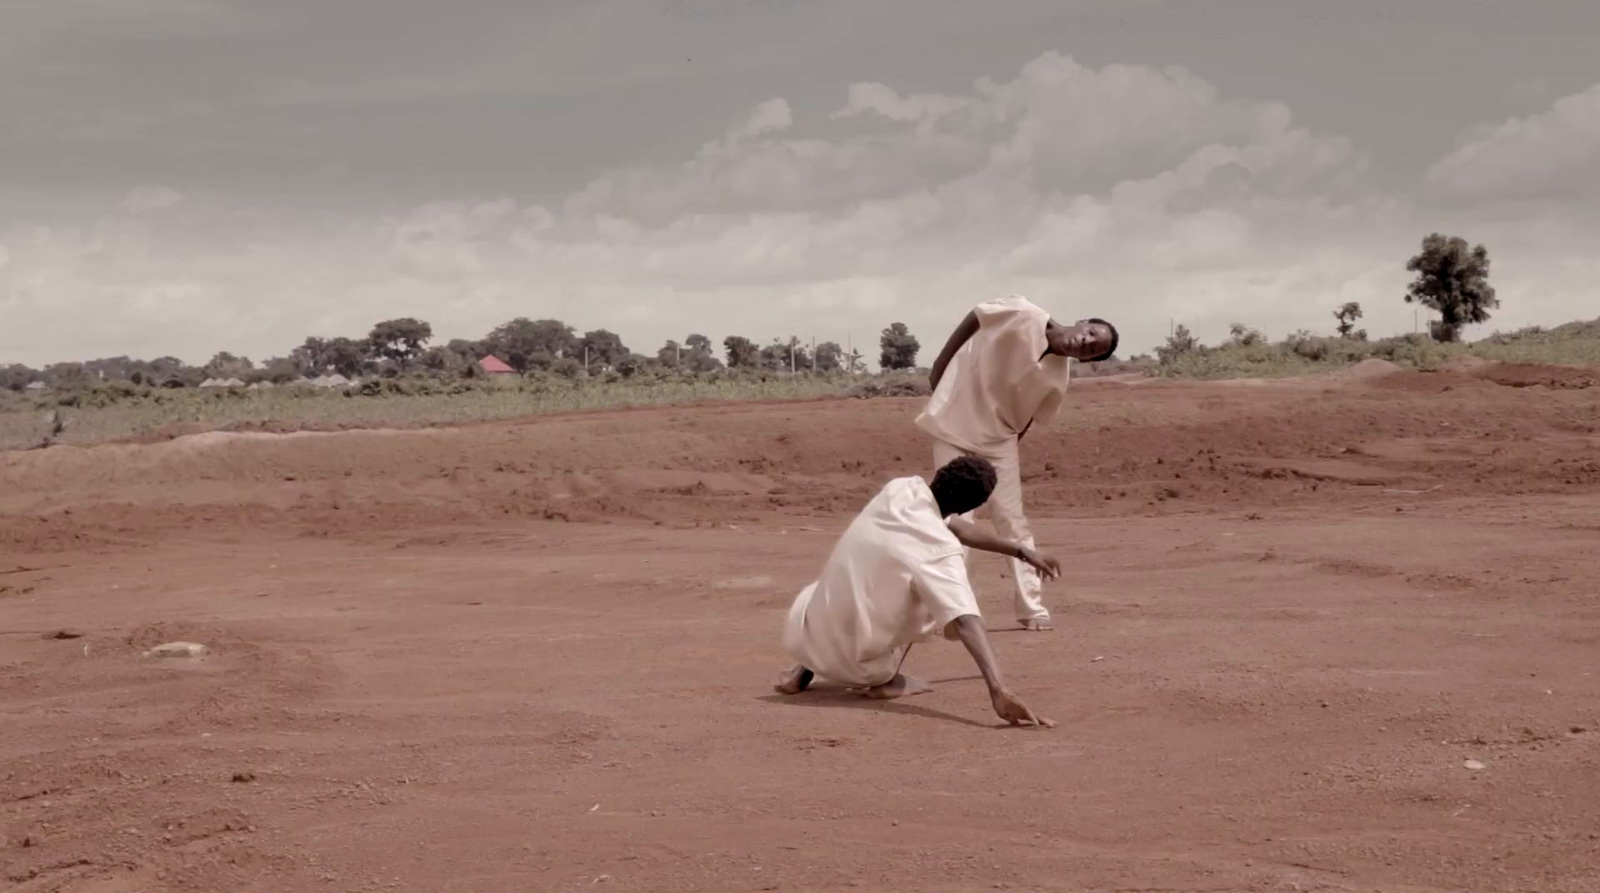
[(974, 537), (963, 333), (970, 630)]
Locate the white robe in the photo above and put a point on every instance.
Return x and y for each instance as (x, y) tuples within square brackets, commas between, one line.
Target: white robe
[(1000, 381), (896, 576)]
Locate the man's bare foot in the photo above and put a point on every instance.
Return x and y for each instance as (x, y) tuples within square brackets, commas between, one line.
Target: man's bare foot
[(900, 686), (794, 680), (1037, 624)]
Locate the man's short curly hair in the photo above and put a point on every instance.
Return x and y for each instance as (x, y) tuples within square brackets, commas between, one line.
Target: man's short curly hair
[(963, 484)]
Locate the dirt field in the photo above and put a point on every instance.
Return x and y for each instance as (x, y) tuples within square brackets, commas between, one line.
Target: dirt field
[(1335, 634)]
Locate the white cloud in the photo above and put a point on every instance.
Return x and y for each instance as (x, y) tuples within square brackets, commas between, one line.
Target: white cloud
[(150, 198), (1134, 193), (1551, 155)]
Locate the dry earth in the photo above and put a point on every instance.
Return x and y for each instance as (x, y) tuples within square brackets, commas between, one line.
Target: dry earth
[(538, 656)]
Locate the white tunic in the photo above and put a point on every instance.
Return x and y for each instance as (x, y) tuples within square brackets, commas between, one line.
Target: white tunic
[(896, 576), (1000, 381)]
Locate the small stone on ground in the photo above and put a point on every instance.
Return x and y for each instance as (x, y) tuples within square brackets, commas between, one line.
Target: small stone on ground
[(177, 650)]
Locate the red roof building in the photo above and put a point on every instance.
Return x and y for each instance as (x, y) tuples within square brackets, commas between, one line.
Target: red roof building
[(495, 366)]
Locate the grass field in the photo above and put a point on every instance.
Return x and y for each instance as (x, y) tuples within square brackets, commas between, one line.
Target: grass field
[(98, 417), (118, 411)]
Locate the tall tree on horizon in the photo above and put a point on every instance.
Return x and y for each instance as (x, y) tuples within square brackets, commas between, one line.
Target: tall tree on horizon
[(898, 347), (1452, 279)]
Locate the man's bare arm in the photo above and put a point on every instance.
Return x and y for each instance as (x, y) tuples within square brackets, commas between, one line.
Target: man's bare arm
[(963, 333), (974, 537), (970, 630)]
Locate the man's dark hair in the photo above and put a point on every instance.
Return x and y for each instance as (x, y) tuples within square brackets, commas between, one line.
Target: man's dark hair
[(963, 484), (1114, 339)]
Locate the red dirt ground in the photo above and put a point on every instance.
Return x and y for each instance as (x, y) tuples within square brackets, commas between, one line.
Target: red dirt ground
[(538, 656)]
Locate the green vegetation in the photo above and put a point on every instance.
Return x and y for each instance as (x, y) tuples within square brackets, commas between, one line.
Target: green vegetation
[(120, 410), (1575, 344)]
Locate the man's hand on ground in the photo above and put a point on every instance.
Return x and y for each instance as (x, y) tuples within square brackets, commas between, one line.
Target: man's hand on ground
[(1013, 711)]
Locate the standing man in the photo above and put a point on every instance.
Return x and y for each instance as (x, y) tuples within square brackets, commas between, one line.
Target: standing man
[(1005, 367), (898, 576)]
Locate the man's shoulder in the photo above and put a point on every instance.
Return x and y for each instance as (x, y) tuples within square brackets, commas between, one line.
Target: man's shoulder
[(1010, 305), (902, 484), (1010, 302), (909, 498)]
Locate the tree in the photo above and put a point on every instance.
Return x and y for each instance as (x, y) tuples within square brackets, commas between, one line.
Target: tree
[(17, 377), (66, 375), (670, 355), (742, 352), (785, 356), (631, 365), (699, 357), (399, 340), (1452, 279), (532, 344), (112, 368), (320, 356), (162, 370), (346, 356), (602, 348), (693, 355), (1242, 335), (163, 367), (279, 370), (1347, 316), (898, 348), (1180, 342), (829, 357), (226, 365), (310, 358), (443, 361)]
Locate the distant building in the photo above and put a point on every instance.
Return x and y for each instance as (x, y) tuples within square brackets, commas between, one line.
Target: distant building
[(493, 365), (497, 371)]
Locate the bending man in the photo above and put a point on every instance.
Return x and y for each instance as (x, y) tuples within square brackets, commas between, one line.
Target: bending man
[(898, 575), (1003, 369)]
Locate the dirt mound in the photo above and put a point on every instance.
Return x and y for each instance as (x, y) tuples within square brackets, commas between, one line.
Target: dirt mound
[(1175, 447), (1529, 375)]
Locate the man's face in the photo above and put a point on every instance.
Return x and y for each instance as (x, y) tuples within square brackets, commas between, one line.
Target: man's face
[(1080, 341)]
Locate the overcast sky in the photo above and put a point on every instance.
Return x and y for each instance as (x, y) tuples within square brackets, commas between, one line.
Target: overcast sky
[(188, 176)]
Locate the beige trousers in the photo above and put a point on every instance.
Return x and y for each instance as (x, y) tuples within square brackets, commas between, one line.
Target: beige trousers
[(1005, 509)]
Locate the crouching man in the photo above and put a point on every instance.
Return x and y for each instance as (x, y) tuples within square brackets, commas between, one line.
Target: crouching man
[(897, 576)]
